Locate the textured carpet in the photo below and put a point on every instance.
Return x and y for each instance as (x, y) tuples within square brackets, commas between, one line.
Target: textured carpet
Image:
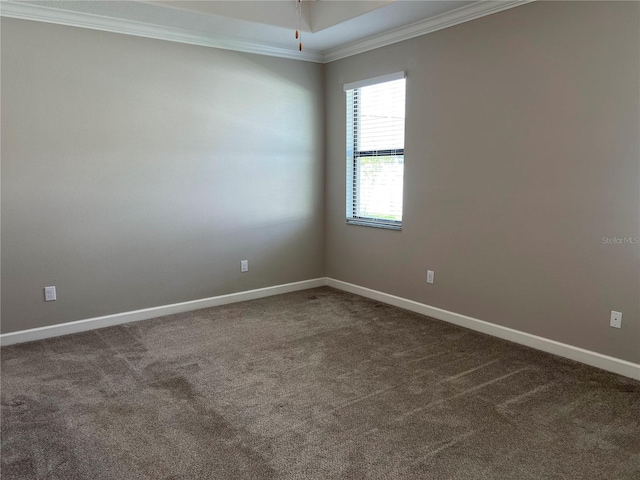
[(318, 384)]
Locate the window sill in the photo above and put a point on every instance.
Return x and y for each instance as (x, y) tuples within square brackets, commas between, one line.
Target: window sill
[(365, 223)]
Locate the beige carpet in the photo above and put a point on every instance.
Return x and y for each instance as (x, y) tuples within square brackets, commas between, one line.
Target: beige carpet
[(318, 384)]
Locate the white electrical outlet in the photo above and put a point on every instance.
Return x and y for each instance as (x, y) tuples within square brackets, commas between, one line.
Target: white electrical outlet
[(49, 294), (244, 265), (430, 276), (616, 319)]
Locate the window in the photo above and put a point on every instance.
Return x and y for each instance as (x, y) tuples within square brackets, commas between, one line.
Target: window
[(375, 151)]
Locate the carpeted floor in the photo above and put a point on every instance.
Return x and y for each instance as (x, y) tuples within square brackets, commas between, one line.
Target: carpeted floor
[(318, 384)]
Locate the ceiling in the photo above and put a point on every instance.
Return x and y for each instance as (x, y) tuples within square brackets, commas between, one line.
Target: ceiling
[(331, 29)]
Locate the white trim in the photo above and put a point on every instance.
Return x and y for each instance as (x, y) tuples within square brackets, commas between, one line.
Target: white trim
[(40, 13), (429, 25), (375, 80), (154, 312), (611, 364)]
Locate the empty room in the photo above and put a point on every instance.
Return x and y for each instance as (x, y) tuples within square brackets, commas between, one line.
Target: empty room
[(320, 239)]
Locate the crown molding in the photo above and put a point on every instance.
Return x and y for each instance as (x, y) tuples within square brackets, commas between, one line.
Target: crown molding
[(39, 13), (429, 25)]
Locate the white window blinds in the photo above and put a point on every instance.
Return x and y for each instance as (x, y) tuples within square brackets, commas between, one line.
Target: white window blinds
[(375, 151)]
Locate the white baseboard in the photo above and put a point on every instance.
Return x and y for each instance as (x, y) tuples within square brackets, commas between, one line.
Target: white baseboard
[(154, 312), (611, 364)]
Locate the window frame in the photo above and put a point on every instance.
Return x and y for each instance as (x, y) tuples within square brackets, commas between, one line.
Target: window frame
[(354, 155)]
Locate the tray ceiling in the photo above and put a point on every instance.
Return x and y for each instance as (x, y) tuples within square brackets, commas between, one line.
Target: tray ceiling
[(332, 29)]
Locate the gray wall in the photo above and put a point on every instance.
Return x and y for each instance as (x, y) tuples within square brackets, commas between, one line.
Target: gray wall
[(522, 153), (138, 173)]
